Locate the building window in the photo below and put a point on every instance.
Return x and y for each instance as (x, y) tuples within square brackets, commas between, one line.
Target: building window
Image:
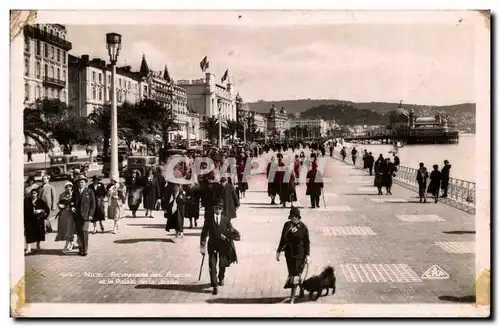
[(58, 55), (120, 82), (56, 94), (93, 76), (109, 94), (52, 52), (63, 96), (64, 75), (45, 29), (26, 67), (100, 77), (46, 70), (100, 94), (51, 31), (50, 94), (128, 86), (109, 79), (58, 35), (45, 50), (26, 44), (52, 72), (64, 57), (58, 74), (38, 69), (38, 46), (93, 93), (26, 92), (37, 92)]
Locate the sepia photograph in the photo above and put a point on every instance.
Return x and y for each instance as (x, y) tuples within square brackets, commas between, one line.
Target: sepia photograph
[(250, 163)]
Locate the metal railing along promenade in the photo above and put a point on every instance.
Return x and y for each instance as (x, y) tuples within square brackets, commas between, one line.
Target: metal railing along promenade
[(461, 193)]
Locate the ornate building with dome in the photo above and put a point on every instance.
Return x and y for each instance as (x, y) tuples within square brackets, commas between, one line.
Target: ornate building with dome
[(277, 122), (404, 124)]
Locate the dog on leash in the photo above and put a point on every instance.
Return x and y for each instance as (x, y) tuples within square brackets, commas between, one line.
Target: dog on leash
[(316, 284)]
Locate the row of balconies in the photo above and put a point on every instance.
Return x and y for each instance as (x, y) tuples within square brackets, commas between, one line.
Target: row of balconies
[(37, 33)]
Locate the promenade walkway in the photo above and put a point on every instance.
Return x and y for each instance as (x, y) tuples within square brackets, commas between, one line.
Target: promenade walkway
[(380, 246)]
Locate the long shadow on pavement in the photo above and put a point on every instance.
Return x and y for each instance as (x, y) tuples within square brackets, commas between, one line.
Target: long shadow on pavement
[(257, 203), (360, 194), (264, 300), (148, 225), (192, 234), (276, 207), (51, 252), (459, 232), (191, 288), (459, 299), (138, 240)]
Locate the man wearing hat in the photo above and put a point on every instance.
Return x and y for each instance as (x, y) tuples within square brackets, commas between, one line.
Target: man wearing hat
[(219, 246), (83, 206)]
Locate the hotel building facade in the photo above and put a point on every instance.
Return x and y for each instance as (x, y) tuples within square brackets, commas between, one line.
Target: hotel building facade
[(45, 62)]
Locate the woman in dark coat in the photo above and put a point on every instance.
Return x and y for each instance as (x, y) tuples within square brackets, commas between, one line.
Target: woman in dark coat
[(388, 174), (296, 169), (229, 198), (286, 180), (240, 168), (434, 183), (272, 186), (100, 193), (35, 213), (192, 204), (314, 185), (296, 245), (174, 200), (380, 170), (134, 191), (151, 192)]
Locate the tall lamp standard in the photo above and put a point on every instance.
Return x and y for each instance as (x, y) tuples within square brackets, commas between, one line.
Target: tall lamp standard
[(114, 45), (220, 123)]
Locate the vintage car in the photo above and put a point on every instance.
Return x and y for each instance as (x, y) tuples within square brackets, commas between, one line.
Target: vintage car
[(141, 163), (61, 167), (123, 154)]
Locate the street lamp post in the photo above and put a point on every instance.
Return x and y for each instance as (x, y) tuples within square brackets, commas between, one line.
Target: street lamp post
[(220, 123), (114, 45), (245, 129)]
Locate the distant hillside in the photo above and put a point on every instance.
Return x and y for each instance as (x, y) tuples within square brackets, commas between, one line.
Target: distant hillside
[(294, 106), (347, 115), (370, 113)]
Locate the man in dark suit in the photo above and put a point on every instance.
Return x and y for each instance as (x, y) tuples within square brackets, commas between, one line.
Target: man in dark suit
[(219, 246), (83, 206)]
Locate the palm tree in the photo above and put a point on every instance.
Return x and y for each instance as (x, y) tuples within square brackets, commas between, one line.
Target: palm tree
[(35, 128), (211, 127), (232, 127), (41, 119)]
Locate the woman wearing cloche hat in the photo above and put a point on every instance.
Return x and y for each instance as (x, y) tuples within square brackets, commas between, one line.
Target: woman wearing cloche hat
[(296, 245)]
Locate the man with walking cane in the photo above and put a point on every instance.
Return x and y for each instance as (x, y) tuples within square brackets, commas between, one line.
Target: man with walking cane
[(220, 245)]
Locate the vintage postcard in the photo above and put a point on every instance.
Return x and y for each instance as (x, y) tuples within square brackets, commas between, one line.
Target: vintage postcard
[(250, 163)]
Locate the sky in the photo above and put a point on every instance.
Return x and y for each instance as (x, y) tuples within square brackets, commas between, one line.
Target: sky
[(417, 63)]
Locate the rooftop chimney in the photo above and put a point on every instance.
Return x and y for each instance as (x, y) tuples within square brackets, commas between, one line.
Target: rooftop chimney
[(85, 58)]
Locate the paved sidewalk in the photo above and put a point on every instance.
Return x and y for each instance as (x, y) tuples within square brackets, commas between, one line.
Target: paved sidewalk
[(379, 249)]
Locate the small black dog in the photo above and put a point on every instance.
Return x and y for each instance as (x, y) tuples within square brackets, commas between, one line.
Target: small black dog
[(316, 284)]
